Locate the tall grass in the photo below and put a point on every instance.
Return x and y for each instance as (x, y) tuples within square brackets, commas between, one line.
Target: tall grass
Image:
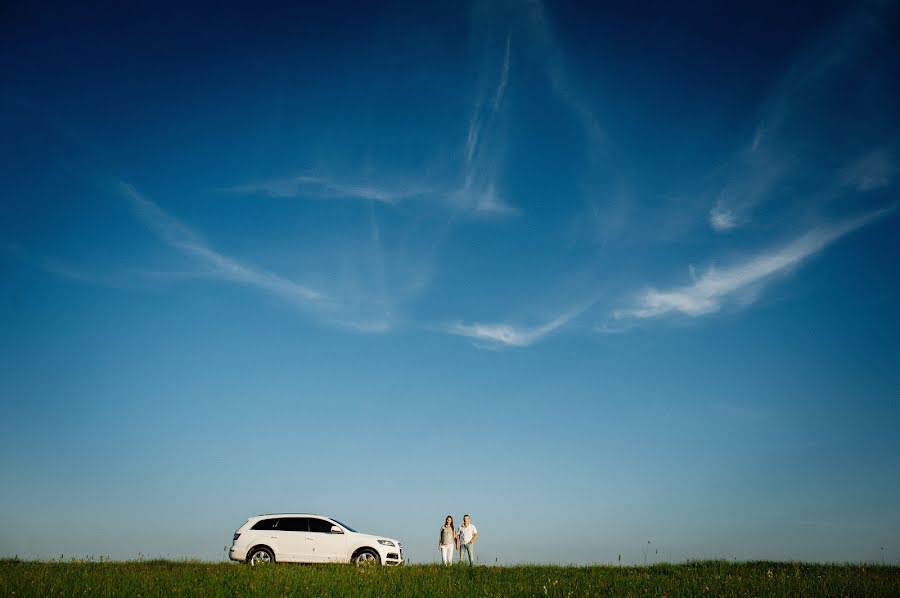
[(706, 578)]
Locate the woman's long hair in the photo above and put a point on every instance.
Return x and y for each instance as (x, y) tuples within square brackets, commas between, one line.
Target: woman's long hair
[(450, 517)]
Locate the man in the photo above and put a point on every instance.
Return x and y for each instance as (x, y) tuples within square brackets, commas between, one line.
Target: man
[(467, 536)]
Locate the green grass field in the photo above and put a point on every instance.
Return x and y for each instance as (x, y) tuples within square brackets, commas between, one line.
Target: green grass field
[(707, 578)]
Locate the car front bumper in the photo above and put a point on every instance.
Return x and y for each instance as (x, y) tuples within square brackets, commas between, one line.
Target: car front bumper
[(393, 556)]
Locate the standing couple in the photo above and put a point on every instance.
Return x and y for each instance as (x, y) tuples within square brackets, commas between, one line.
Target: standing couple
[(461, 539)]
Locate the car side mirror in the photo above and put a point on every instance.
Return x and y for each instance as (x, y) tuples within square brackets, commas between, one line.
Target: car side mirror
[(336, 530)]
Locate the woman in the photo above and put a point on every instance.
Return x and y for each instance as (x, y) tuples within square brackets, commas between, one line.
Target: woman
[(447, 541)]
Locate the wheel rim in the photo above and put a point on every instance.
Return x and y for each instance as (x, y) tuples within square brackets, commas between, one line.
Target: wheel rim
[(259, 557), (366, 558)]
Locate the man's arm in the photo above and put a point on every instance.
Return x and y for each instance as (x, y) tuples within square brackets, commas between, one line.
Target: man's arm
[(474, 537)]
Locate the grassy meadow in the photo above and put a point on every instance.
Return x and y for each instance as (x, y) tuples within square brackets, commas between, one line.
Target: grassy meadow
[(706, 578)]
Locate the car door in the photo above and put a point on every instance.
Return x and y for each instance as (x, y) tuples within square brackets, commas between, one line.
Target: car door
[(326, 546), (292, 540), (265, 531)]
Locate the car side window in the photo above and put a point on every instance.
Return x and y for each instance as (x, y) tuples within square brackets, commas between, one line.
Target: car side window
[(320, 526), (293, 524), (265, 524)]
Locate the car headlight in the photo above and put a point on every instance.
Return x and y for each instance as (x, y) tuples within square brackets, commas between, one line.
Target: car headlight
[(236, 536), (386, 543)]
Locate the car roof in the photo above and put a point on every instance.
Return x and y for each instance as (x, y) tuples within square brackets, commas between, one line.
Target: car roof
[(290, 515)]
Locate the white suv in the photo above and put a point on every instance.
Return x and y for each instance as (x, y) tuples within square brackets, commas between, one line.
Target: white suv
[(305, 538)]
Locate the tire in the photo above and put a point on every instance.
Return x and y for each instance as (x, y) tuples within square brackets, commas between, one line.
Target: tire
[(260, 555), (366, 557)]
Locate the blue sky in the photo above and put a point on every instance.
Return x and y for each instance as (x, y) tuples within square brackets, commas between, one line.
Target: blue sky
[(598, 275)]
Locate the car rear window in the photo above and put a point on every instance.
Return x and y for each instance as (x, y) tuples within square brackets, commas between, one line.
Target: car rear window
[(265, 524)]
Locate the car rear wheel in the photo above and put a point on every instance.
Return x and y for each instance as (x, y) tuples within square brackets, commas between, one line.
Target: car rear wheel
[(260, 556), (367, 557)]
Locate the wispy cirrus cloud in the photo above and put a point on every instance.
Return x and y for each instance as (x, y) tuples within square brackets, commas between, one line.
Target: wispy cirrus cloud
[(485, 136), (483, 112), (543, 33), (485, 143), (709, 291), (212, 263), (871, 171), (477, 188), (66, 270), (325, 188), (510, 334), (365, 285), (110, 276), (722, 218), (799, 143)]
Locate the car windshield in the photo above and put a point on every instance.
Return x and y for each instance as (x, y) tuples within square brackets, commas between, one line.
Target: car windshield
[(344, 525)]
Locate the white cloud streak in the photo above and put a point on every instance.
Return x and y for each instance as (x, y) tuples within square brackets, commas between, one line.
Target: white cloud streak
[(790, 145), (512, 335), (477, 191), (721, 218), (708, 292), (484, 149), (481, 116), (66, 270), (214, 264), (504, 78), (870, 172), (476, 194), (319, 187), (554, 65)]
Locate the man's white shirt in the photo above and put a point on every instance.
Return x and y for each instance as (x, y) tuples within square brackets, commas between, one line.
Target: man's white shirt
[(467, 533)]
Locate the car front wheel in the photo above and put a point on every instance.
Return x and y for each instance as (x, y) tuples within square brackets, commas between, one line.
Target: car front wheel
[(367, 557)]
